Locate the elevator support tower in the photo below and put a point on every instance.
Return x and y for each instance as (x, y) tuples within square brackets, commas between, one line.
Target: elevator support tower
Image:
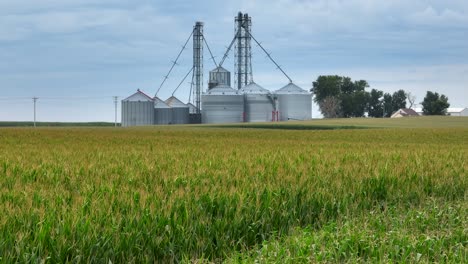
[(243, 50), (197, 79)]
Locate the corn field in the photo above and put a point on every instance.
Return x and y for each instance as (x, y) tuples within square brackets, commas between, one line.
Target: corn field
[(206, 194)]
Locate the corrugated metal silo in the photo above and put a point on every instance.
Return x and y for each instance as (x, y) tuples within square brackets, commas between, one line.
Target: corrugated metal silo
[(137, 110), (259, 103), (222, 104), (294, 103), (162, 112), (219, 76), (192, 108), (180, 111)]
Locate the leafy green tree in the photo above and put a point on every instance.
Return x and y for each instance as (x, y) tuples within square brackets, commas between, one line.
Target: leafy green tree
[(326, 86), (361, 85), (361, 100), (435, 104), (375, 106), (347, 86), (354, 104), (352, 97), (398, 100), (387, 105)]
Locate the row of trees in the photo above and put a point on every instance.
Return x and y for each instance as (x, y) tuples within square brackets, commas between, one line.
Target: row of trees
[(339, 96)]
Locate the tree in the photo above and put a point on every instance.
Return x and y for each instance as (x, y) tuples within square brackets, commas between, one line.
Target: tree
[(375, 105), (330, 107), (326, 86), (434, 104), (347, 85), (361, 85), (398, 100), (352, 97), (387, 105), (354, 104), (411, 99)]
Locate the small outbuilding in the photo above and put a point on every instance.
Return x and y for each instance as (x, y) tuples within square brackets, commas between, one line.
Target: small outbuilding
[(404, 112), (453, 111), (457, 111)]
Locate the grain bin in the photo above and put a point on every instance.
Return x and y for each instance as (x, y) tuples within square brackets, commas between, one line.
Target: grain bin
[(222, 104), (180, 111), (192, 108), (294, 103), (219, 76), (259, 103), (137, 110), (194, 114), (162, 112)]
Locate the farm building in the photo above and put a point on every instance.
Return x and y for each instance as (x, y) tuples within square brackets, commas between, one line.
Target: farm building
[(457, 111), (454, 111), (404, 112)]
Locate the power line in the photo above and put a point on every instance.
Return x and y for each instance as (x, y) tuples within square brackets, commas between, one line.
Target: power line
[(13, 98), (56, 100)]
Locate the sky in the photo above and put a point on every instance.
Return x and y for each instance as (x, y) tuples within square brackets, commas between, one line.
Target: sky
[(74, 55)]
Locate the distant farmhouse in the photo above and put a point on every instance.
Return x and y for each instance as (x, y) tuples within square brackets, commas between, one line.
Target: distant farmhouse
[(404, 112), (458, 111)]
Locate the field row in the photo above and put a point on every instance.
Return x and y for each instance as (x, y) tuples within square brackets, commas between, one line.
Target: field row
[(133, 195)]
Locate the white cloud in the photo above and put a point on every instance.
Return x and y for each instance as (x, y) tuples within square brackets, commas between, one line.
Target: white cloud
[(434, 18), (141, 20)]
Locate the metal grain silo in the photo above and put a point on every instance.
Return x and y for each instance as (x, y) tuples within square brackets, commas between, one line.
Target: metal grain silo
[(192, 108), (180, 111), (294, 103), (259, 103), (137, 110), (222, 104), (162, 112), (219, 76)]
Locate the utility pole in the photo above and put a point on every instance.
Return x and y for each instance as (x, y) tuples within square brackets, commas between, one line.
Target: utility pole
[(35, 100), (116, 98)]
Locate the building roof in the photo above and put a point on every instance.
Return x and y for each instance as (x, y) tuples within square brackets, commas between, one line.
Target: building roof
[(138, 96), (222, 89), (456, 109), (449, 110), (406, 112), (192, 108), (219, 69), (254, 88), (175, 103), (291, 88), (158, 103)]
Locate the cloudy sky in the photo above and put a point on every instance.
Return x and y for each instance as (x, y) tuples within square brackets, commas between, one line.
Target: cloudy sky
[(76, 54)]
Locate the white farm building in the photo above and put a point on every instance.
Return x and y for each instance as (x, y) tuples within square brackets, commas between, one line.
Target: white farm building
[(454, 111)]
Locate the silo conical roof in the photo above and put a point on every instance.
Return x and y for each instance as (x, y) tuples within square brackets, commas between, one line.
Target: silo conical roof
[(222, 90), (291, 88), (219, 69), (175, 103), (158, 103), (254, 88), (138, 96)]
